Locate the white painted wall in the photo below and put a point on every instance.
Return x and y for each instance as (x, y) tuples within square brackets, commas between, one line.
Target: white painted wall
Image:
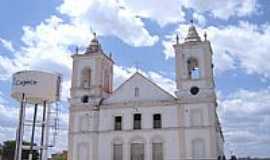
[(169, 117), (168, 134)]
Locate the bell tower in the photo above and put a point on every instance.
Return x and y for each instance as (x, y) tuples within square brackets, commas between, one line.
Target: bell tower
[(92, 80), (92, 75), (194, 68), (196, 97)]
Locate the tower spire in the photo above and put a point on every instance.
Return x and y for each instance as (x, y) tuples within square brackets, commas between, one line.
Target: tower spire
[(192, 35), (94, 44)]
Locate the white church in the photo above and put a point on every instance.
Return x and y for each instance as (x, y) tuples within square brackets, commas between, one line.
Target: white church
[(139, 120)]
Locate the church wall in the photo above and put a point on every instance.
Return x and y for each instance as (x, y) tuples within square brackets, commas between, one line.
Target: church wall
[(168, 137), (203, 127), (169, 117), (168, 134), (198, 133), (80, 141), (203, 109)]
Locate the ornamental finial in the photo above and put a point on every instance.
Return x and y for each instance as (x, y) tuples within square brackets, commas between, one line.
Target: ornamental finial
[(205, 36), (76, 50), (191, 21)]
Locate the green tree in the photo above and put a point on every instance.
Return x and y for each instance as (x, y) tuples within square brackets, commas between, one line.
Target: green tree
[(60, 158), (1, 150), (9, 151)]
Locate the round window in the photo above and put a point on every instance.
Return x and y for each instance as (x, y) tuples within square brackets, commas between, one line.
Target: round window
[(194, 90)]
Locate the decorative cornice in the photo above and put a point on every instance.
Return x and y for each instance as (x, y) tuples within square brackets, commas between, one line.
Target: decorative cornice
[(78, 107), (165, 129), (139, 104), (92, 106)]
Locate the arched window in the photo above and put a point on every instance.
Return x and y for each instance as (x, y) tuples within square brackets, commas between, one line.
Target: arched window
[(85, 99), (136, 92), (157, 148), (137, 151), (86, 78), (137, 148), (83, 151), (198, 149), (193, 68), (157, 123), (106, 81), (117, 148), (157, 151)]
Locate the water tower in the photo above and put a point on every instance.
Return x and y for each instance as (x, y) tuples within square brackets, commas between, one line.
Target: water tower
[(35, 89)]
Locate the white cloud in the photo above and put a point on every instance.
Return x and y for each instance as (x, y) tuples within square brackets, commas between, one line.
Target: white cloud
[(7, 44), (46, 48), (8, 120), (46, 45), (107, 18), (169, 12), (200, 18), (7, 67), (224, 9), (245, 120), (168, 49), (163, 12), (244, 46), (2, 98)]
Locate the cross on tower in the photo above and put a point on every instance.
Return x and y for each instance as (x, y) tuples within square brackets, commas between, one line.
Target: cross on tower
[(76, 50), (137, 66), (191, 21), (205, 36)]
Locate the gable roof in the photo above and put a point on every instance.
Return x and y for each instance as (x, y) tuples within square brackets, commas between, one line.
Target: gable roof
[(148, 90)]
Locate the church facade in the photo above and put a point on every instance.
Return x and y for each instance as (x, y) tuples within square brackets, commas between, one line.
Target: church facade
[(139, 120)]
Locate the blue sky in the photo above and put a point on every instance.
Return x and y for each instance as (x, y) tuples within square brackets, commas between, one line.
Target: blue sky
[(42, 35)]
